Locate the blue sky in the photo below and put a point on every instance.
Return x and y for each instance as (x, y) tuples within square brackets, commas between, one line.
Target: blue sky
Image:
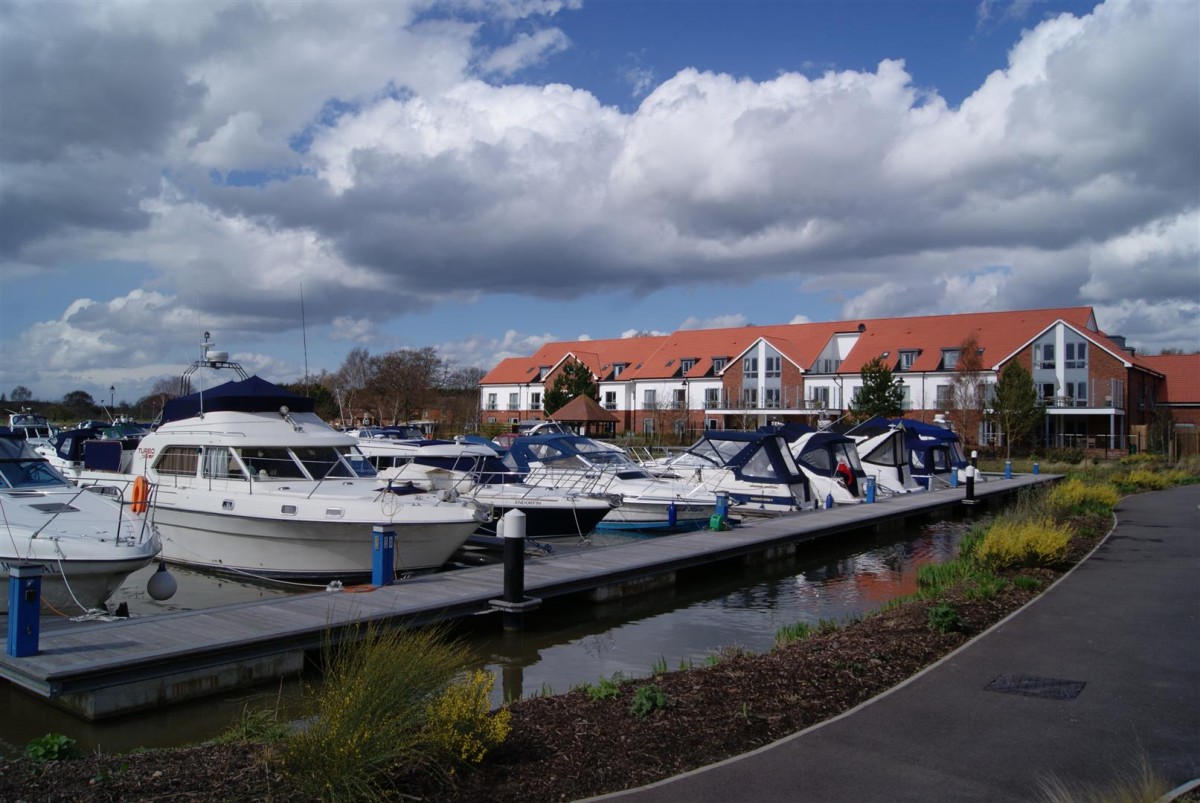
[(483, 177)]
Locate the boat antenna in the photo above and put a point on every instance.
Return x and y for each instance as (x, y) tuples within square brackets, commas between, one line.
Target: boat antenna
[(304, 338)]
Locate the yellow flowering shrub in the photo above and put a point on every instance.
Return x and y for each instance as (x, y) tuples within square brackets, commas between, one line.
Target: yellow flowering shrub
[(1034, 542), (1149, 480), (460, 723), (1077, 496)]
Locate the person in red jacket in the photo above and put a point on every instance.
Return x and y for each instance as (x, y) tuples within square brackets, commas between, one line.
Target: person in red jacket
[(847, 476)]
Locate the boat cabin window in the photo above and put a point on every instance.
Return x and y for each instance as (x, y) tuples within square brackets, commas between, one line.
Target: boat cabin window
[(27, 473), (178, 461), (219, 463), (270, 463), (359, 462), (818, 461), (888, 453), (323, 462)]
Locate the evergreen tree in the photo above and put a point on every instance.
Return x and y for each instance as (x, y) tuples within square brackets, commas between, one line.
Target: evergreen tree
[(879, 395), (1015, 407), (575, 379)]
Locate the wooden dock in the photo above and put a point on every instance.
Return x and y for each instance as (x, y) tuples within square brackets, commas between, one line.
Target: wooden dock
[(98, 670)]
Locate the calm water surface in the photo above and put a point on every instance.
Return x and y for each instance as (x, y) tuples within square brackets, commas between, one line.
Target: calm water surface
[(560, 648)]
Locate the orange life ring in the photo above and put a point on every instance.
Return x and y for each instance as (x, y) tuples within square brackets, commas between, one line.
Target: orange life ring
[(141, 495)]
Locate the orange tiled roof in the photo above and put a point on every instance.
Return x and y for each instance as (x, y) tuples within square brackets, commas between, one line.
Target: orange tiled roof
[(999, 334), (1183, 377)]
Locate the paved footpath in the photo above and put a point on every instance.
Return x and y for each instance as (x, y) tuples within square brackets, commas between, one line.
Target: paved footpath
[(1112, 652)]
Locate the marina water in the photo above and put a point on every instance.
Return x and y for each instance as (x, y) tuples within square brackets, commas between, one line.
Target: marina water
[(564, 645)]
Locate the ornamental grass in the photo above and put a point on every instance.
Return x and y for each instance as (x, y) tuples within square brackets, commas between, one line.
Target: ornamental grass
[(391, 702)]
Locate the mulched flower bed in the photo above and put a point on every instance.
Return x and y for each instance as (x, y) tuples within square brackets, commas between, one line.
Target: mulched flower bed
[(569, 746)]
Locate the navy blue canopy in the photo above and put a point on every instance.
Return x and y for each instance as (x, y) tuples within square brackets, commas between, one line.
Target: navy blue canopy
[(253, 395)]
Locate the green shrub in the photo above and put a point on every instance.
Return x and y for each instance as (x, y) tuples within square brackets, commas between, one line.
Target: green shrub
[(372, 713), (1027, 583), (258, 725), (647, 699), (53, 747), (1015, 544), (944, 618), (984, 586), (1074, 497)]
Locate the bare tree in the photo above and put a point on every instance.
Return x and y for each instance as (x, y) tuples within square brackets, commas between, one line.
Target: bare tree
[(967, 390), (351, 380), (404, 382)]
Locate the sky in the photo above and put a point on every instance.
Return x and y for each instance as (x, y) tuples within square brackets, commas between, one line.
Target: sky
[(300, 179)]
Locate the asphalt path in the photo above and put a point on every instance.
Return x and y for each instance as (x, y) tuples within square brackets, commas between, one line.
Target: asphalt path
[(1095, 679)]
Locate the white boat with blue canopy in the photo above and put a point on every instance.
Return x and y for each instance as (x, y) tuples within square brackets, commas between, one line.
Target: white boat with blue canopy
[(576, 463), (830, 461), (935, 454), (755, 470), (883, 448)]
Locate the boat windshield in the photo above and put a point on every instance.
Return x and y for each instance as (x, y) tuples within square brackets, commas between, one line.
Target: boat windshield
[(359, 462), (324, 462), (20, 467)]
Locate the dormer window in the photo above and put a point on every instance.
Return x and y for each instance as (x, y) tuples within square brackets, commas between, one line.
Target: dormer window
[(949, 359), (719, 364), (907, 358), (686, 365), (618, 367), (545, 369)]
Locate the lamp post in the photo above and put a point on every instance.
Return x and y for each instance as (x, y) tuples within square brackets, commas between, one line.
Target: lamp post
[(112, 395)]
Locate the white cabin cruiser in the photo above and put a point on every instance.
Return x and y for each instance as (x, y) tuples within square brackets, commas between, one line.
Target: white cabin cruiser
[(34, 428), (475, 471), (755, 469), (84, 544), (247, 480), (576, 463)]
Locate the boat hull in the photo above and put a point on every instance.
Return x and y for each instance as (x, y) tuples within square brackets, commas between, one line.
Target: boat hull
[(301, 550), (71, 585), (657, 516)]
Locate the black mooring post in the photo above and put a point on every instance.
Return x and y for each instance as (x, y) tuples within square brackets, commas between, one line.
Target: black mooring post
[(514, 603)]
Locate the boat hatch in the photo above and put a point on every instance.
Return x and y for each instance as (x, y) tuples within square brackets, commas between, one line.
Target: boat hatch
[(288, 510), (54, 507)]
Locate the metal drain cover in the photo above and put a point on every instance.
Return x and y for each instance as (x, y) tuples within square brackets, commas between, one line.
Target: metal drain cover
[(1046, 688)]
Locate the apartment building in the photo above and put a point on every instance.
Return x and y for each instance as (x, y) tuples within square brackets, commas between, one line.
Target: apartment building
[(1093, 386)]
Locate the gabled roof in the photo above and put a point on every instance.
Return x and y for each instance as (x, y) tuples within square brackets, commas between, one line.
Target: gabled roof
[(1182, 371), (582, 408), (598, 355), (798, 343), (999, 334), (1097, 338)]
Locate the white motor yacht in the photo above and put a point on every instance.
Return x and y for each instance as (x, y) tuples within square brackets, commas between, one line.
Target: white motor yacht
[(84, 544), (246, 479)]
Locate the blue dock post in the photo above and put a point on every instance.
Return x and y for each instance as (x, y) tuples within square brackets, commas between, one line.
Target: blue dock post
[(870, 490), (953, 478), (829, 501), (672, 515), (1008, 469), (24, 610), (383, 555), (514, 603), (1035, 467)]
